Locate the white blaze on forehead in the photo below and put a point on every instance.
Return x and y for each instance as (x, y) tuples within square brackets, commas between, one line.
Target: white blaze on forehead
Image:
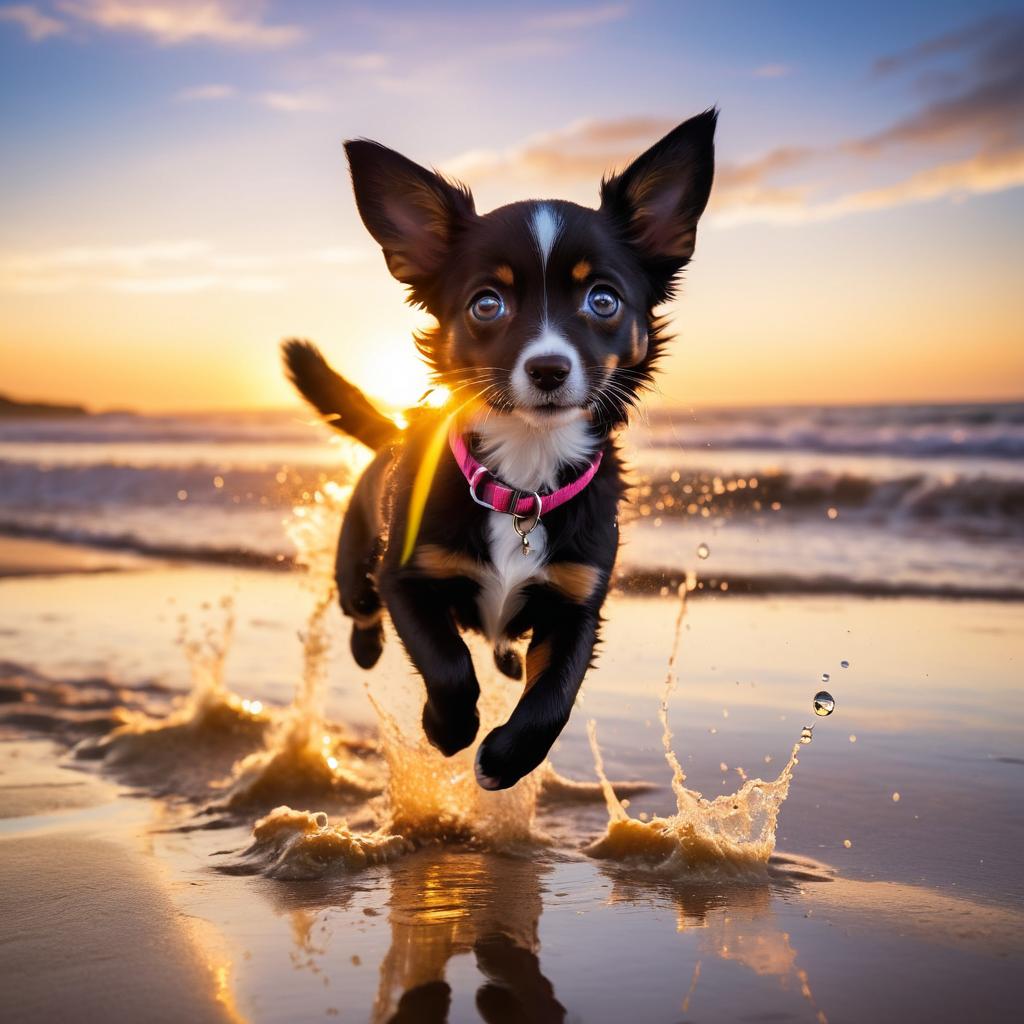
[(545, 227)]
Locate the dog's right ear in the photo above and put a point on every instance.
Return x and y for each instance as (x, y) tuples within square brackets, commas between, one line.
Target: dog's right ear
[(413, 213)]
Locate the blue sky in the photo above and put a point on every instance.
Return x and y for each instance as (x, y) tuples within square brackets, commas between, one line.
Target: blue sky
[(173, 193)]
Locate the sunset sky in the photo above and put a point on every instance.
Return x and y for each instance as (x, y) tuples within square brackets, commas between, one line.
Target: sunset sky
[(174, 199)]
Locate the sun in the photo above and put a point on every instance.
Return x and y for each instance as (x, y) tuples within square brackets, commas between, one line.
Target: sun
[(395, 376)]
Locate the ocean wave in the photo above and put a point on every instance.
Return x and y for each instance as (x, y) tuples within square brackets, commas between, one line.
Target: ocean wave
[(976, 430), (966, 503), (984, 430), (37, 485), (256, 428), (973, 505)]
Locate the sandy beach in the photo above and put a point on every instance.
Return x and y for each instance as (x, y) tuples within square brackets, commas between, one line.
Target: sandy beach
[(721, 304), (132, 876)]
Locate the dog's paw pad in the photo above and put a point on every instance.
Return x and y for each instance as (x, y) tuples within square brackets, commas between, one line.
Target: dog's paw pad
[(484, 781)]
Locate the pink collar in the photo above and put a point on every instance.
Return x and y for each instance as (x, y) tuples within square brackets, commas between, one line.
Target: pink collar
[(500, 498)]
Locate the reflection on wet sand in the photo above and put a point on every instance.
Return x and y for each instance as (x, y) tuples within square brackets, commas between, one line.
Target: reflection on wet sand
[(456, 903), (736, 922)]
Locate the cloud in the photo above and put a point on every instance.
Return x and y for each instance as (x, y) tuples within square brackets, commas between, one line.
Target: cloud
[(954, 180), (173, 22), (583, 149), (960, 39), (366, 62), (293, 102), (194, 283), (36, 24), (977, 175), (966, 138), (124, 257), (578, 17), (213, 91), (162, 267), (982, 101), (772, 71)]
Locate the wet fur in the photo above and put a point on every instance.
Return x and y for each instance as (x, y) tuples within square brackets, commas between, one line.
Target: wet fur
[(467, 571)]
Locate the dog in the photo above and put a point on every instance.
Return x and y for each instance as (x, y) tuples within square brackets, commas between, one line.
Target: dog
[(503, 518)]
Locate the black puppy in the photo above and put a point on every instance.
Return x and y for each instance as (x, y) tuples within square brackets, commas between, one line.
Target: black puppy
[(545, 319)]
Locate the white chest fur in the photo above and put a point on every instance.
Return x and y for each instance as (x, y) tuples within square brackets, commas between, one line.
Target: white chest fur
[(522, 454), (529, 454), (501, 586)]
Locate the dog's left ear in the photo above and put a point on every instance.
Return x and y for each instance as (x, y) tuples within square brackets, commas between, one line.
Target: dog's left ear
[(658, 199), (413, 213)]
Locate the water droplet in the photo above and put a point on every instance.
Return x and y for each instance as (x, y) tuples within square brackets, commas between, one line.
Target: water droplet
[(824, 703), (321, 819), (703, 551), (847, 843), (825, 677), (806, 735), (844, 664), (895, 798)]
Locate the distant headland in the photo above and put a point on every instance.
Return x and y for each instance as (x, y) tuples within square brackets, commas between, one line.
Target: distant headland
[(12, 407)]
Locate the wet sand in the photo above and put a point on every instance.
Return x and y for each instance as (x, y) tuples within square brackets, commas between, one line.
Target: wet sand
[(107, 899), (30, 557), (88, 929)]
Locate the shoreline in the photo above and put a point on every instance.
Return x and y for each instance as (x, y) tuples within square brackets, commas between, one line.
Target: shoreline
[(37, 553)]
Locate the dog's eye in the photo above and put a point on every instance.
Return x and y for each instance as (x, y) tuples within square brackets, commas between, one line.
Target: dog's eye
[(487, 306), (603, 301)]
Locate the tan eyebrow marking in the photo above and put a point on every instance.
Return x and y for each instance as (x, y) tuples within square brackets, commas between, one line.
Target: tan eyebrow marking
[(581, 271), (504, 274)]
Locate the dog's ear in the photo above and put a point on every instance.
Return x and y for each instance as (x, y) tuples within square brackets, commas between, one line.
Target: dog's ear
[(658, 199), (410, 211)]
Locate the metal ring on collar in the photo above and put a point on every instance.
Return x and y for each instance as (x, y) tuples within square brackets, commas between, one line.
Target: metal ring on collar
[(478, 473), (516, 519)]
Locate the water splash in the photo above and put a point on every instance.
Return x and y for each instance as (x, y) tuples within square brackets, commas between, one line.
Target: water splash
[(304, 758), (430, 797), (298, 845), (426, 797), (824, 703), (182, 752), (732, 834)]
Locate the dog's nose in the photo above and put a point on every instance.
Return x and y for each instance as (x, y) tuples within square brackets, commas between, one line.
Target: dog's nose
[(548, 372)]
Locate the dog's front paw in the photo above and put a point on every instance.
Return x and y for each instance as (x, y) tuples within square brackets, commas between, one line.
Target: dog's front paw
[(452, 728), (508, 753)]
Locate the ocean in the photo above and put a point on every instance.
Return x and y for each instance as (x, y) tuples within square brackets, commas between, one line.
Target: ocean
[(876, 500)]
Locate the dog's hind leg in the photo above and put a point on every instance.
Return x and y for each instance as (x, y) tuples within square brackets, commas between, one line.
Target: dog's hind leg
[(360, 547), (359, 551)]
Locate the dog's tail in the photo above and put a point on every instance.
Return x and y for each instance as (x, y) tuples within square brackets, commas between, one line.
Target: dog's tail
[(344, 406)]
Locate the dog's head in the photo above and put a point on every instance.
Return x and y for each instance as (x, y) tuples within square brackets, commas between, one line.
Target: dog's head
[(544, 309)]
